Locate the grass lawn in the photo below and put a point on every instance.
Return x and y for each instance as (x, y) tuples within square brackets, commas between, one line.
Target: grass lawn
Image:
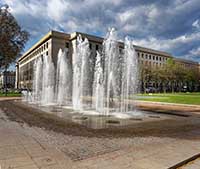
[(10, 94), (181, 98)]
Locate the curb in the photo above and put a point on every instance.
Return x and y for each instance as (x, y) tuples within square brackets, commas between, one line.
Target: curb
[(171, 104), (181, 164)]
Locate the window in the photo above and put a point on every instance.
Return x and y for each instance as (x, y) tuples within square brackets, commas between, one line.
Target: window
[(90, 46), (47, 53), (47, 45), (156, 57), (97, 47), (146, 56), (142, 55), (160, 58), (67, 45), (153, 57), (149, 56), (138, 54)]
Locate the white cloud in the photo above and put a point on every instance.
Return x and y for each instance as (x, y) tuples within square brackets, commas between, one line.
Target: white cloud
[(168, 44), (196, 24), (195, 52), (57, 9)]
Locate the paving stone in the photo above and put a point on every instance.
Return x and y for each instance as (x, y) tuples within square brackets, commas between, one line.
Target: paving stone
[(19, 162), (12, 152), (55, 167), (44, 161), (28, 167), (36, 151)]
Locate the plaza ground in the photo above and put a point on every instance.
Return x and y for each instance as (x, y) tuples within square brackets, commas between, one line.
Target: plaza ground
[(30, 139)]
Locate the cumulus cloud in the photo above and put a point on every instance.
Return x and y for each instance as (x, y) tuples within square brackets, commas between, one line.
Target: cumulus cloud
[(168, 44), (196, 52), (165, 25), (196, 24), (57, 10)]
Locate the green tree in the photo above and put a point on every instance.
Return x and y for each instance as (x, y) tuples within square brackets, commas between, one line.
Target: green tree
[(192, 79), (145, 76), (12, 38)]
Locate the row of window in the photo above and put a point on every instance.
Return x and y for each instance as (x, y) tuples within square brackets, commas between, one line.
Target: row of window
[(140, 55), (40, 50), (151, 57), (26, 71), (9, 78), (150, 63)]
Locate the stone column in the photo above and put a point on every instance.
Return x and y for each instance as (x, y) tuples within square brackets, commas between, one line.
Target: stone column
[(17, 76)]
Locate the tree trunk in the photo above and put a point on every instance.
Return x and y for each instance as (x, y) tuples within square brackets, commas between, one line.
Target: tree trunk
[(164, 87), (172, 86)]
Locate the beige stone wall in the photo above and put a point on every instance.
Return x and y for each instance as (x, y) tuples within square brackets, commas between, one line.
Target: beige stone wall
[(57, 44), (26, 65)]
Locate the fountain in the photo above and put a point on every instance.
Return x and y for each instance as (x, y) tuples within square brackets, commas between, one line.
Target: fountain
[(80, 65), (98, 85), (37, 82), (129, 75), (43, 92), (112, 70), (48, 81), (71, 84), (63, 78)]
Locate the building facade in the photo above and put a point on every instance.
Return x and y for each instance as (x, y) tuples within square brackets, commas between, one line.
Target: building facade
[(7, 79), (51, 43)]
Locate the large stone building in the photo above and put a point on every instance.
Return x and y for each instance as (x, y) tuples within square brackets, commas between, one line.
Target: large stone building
[(53, 41)]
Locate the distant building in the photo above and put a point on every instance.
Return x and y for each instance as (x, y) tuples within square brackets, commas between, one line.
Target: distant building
[(199, 67), (7, 79), (53, 41), (187, 64)]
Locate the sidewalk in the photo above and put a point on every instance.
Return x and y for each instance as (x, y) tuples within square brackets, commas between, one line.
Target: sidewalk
[(24, 152)]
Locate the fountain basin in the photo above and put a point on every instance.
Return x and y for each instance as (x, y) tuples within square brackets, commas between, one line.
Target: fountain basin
[(96, 120)]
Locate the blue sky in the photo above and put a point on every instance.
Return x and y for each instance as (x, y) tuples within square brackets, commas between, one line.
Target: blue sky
[(169, 25)]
